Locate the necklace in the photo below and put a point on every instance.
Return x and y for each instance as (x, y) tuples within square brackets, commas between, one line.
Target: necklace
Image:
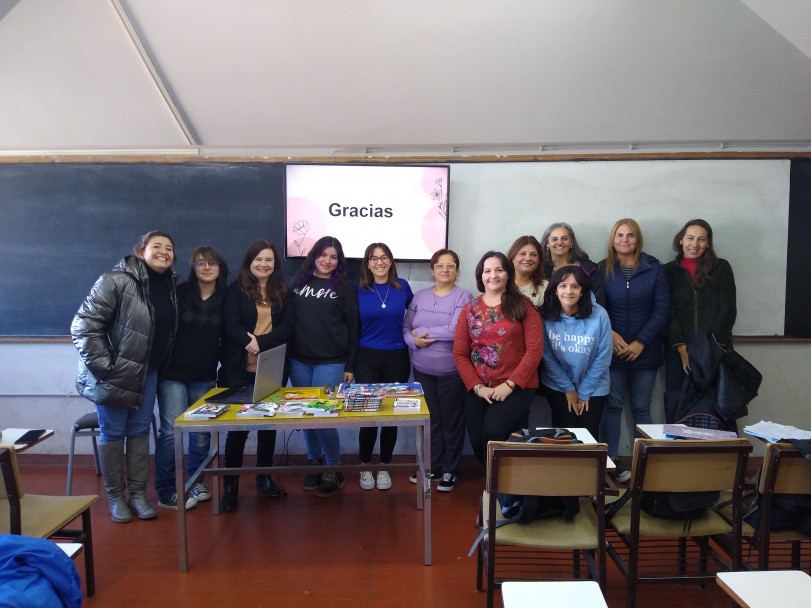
[(433, 291), (383, 300)]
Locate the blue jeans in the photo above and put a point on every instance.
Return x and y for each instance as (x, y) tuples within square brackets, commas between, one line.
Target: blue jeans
[(639, 383), (116, 423), (319, 442), (173, 399)]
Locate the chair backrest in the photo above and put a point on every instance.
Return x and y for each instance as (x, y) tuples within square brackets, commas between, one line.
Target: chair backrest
[(546, 470), (701, 465), (10, 484), (785, 471)]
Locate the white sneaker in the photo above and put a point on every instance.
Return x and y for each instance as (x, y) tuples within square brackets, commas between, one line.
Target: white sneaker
[(367, 481), (383, 480)]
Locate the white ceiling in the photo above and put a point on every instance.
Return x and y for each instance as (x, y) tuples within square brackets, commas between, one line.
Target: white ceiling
[(323, 77)]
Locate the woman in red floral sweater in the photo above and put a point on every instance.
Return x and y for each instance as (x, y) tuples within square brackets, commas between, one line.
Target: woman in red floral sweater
[(497, 348)]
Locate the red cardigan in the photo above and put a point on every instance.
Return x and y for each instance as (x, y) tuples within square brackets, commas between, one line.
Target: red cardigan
[(518, 362)]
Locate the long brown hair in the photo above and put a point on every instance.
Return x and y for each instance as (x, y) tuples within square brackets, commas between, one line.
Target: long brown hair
[(249, 284), (707, 261), (538, 275), (513, 302), (366, 277)]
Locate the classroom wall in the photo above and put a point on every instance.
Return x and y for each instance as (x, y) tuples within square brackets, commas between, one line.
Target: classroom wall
[(491, 204), (43, 394)]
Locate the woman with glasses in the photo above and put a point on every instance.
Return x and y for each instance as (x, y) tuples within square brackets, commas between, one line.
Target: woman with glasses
[(428, 329), (124, 332), (324, 348), (192, 370), (258, 316), (382, 352)]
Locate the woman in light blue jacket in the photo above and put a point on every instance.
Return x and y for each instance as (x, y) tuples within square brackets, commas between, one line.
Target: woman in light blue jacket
[(577, 351)]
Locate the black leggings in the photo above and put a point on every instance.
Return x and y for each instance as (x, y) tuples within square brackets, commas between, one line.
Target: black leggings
[(562, 417), (373, 366)]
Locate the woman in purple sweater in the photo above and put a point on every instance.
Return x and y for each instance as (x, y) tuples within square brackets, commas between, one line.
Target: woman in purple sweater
[(428, 330)]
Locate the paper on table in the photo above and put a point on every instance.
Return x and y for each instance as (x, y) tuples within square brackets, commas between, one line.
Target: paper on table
[(774, 431)]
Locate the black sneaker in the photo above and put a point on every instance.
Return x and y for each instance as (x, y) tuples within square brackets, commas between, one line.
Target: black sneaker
[(434, 477), (621, 474), (312, 480), (447, 483), (331, 483), (268, 487), (170, 502)]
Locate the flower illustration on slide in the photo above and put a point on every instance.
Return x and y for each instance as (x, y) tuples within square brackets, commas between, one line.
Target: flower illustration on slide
[(441, 197), (301, 227)]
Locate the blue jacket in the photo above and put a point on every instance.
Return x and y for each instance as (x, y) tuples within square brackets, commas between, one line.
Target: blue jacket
[(36, 573), (638, 308), (577, 354)]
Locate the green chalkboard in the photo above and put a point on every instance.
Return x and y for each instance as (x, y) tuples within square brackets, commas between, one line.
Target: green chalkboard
[(63, 225)]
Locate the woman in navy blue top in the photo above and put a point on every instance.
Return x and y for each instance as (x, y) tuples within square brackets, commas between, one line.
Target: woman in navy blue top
[(382, 352), (637, 298)]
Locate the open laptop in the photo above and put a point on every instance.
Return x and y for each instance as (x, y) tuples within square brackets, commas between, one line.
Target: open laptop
[(269, 373)]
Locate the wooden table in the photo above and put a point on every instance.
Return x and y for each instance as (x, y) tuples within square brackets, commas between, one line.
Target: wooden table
[(11, 435), (421, 421), (552, 594), (767, 588)]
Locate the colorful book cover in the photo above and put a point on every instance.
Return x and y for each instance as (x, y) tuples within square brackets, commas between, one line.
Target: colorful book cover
[(296, 394), (262, 409), (324, 407), (407, 404), (208, 410)]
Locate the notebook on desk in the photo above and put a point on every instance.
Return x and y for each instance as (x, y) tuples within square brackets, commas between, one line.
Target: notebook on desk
[(269, 374)]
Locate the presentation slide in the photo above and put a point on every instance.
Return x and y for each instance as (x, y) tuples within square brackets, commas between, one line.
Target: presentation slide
[(405, 207)]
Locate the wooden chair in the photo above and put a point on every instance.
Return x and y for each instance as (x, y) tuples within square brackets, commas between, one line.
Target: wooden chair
[(785, 471), (654, 549), (44, 516), (521, 552)]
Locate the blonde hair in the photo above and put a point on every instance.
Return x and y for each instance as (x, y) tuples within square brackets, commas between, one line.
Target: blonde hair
[(612, 254)]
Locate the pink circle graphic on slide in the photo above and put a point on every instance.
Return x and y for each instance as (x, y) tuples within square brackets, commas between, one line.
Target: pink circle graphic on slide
[(305, 225), (434, 224), (433, 229)]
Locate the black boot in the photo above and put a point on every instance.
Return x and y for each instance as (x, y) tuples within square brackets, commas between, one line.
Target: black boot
[(230, 497), (268, 487)]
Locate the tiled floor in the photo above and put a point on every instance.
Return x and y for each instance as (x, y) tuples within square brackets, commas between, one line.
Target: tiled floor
[(357, 549)]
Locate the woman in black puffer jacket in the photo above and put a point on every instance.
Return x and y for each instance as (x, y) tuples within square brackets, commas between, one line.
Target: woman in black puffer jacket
[(124, 332)]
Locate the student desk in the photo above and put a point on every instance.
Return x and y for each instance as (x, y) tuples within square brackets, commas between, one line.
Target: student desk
[(228, 421), (12, 435), (768, 588), (552, 594)]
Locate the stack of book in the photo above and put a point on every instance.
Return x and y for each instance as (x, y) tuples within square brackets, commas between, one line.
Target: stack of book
[(362, 398)]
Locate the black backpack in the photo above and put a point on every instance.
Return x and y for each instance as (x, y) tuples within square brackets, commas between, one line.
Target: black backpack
[(524, 509)]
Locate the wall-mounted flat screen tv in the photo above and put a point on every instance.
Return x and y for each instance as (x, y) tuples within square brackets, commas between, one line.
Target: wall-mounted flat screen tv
[(404, 206)]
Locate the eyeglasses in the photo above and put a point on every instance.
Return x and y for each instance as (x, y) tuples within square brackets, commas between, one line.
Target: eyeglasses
[(200, 264), (444, 266), (382, 258)]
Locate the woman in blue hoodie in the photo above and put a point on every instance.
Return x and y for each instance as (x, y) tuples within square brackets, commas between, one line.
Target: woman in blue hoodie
[(576, 350), (637, 298)]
